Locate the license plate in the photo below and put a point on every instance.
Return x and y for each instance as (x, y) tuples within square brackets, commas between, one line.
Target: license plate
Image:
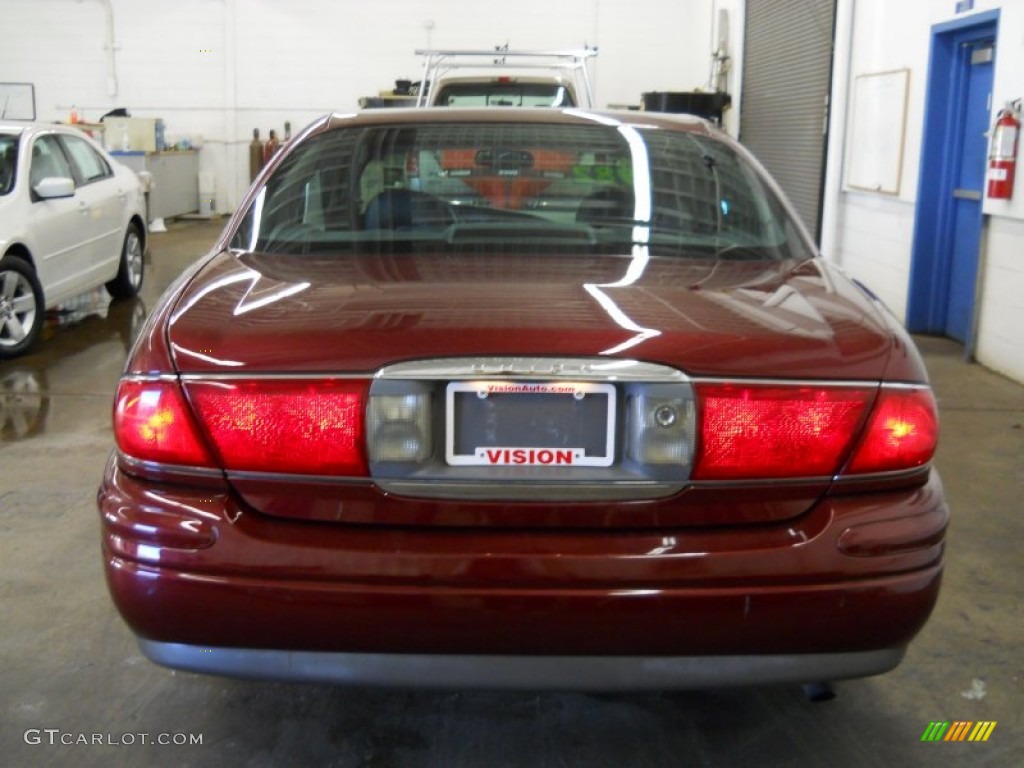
[(530, 424)]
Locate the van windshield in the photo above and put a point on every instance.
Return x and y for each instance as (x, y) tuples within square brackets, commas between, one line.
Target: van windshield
[(497, 93)]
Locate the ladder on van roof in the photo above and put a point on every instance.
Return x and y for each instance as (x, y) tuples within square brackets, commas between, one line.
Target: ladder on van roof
[(439, 62)]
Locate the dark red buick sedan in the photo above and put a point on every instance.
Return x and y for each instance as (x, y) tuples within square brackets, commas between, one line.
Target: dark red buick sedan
[(522, 398)]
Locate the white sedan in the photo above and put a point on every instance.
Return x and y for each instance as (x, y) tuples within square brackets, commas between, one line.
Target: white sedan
[(71, 219)]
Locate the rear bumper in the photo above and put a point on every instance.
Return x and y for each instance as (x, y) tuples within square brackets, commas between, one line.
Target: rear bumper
[(211, 586), (577, 673)]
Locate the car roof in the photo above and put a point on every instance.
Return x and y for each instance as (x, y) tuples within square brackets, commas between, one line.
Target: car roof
[(32, 127)]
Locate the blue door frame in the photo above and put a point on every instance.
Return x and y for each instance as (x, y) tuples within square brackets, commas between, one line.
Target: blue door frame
[(935, 220)]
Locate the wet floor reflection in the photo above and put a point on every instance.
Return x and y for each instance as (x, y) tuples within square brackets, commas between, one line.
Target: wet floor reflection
[(24, 402), (81, 351), (122, 317)]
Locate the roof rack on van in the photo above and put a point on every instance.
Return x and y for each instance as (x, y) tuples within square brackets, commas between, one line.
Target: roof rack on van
[(439, 62)]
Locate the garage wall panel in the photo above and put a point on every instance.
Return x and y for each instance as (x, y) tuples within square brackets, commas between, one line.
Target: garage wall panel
[(874, 242), (787, 63), (1000, 342), (171, 61), (58, 46)]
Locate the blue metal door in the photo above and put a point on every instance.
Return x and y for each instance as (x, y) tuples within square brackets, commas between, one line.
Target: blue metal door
[(948, 215), (968, 191)]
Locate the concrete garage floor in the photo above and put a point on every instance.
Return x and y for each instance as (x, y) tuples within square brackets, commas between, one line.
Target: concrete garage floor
[(70, 664)]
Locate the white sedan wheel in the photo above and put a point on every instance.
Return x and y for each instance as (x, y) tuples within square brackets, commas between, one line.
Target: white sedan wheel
[(21, 306)]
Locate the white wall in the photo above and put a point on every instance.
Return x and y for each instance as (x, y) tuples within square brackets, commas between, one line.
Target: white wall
[(1000, 340), (219, 68), (870, 234)]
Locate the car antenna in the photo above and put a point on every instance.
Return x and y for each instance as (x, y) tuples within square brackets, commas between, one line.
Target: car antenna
[(7, 101)]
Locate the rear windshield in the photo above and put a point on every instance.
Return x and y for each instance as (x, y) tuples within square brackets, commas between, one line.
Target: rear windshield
[(503, 94), (520, 186)]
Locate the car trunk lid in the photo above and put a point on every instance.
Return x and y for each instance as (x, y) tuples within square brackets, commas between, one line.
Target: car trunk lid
[(767, 319)]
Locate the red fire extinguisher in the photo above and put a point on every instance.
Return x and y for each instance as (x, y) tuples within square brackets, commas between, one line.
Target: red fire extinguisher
[(1002, 156)]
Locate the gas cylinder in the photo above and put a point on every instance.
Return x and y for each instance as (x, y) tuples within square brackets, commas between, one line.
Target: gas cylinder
[(271, 147), (255, 154)]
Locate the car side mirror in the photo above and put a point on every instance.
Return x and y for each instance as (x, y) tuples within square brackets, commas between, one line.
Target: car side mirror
[(55, 186)]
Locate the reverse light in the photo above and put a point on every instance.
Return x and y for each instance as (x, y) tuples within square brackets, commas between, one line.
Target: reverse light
[(398, 427), (660, 428), (760, 432), (901, 434), (299, 426), (153, 423)]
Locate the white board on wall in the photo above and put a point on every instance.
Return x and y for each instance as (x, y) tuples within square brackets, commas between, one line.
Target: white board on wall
[(17, 101), (874, 159)]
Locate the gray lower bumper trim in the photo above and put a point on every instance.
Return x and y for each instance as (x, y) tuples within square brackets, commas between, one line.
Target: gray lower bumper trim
[(601, 673)]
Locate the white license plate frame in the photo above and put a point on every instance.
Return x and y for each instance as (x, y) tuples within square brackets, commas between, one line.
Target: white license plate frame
[(527, 456)]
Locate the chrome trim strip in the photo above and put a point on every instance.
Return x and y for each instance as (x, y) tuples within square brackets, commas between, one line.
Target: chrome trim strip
[(324, 376), (796, 482), (295, 477), (538, 490), (639, 490), (784, 382), (905, 385), (578, 673), (534, 368), (172, 377), (811, 383), (896, 474), (789, 482), (130, 462)]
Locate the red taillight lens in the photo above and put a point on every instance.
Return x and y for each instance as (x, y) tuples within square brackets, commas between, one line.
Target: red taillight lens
[(312, 427), (152, 422), (775, 431), (901, 434)]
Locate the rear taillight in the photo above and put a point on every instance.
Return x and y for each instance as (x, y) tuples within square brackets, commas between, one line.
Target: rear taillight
[(764, 432), (152, 422), (310, 427), (758, 432), (901, 434)]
